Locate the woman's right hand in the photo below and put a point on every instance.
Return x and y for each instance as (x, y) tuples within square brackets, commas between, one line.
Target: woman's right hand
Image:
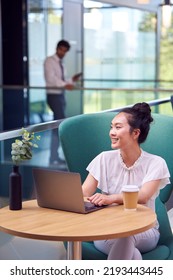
[(101, 199)]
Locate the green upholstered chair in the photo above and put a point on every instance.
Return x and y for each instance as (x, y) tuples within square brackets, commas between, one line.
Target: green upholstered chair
[(84, 136)]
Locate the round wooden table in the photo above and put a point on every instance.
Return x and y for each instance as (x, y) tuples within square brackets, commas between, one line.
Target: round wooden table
[(49, 224)]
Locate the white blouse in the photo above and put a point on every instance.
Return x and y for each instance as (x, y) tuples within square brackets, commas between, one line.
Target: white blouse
[(112, 174)]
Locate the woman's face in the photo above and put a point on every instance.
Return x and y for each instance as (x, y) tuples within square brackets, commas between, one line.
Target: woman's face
[(121, 137)]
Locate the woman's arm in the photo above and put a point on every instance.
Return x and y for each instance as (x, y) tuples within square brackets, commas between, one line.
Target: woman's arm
[(148, 190), (90, 185)]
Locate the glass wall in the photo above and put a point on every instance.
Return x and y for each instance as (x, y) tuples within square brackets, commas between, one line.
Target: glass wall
[(44, 30), (166, 54), (116, 47), (119, 51)]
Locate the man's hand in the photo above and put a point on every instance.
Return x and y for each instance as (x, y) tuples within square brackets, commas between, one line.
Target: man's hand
[(69, 86), (76, 77)]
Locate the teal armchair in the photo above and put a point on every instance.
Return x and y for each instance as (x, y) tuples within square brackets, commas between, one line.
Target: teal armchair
[(83, 137)]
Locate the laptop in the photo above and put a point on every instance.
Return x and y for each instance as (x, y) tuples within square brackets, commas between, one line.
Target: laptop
[(61, 190)]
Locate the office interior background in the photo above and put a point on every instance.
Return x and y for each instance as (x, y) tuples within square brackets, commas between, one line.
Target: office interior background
[(123, 49), (114, 46)]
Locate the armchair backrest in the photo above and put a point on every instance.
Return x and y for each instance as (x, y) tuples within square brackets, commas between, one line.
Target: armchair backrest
[(160, 142), (85, 136)]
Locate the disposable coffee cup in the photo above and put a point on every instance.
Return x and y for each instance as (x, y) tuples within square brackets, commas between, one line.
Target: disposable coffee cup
[(130, 197)]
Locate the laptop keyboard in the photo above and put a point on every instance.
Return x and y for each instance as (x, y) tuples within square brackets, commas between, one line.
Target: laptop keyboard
[(90, 206)]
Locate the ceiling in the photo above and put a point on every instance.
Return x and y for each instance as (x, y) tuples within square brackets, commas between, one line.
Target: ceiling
[(151, 6)]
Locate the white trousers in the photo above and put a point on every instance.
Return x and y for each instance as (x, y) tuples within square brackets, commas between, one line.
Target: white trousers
[(129, 248)]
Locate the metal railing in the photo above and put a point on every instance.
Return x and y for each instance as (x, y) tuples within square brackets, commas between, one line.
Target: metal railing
[(54, 124)]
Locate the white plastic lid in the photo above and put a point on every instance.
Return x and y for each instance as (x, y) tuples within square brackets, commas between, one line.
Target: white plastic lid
[(130, 188)]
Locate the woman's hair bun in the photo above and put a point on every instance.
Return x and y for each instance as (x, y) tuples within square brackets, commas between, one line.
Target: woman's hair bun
[(143, 109), (139, 117)]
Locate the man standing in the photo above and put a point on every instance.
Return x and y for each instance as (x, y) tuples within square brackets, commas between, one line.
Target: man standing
[(55, 77)]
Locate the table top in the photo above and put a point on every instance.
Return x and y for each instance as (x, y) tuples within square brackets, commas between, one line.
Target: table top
[(49, 224)]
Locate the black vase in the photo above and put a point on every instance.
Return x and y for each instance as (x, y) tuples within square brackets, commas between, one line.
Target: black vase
[(15, 189)]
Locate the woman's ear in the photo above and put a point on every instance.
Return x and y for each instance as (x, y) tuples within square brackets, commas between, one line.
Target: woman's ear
[(136, 132)]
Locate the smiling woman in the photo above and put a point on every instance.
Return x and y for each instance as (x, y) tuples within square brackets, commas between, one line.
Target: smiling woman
[(127, 164), (120, 137)]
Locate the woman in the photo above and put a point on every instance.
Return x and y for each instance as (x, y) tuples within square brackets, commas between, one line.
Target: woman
[(127, 165)]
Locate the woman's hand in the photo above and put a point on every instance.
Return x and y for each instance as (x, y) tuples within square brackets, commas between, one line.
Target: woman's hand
[(101, 199)]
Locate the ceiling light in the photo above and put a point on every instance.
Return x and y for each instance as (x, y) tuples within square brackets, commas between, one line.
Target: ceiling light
[(166, 13), (143, 1)]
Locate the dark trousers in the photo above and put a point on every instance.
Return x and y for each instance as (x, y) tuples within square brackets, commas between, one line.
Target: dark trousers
[(57, 104)]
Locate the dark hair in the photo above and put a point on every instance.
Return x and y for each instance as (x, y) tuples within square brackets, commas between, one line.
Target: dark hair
[(139, 117), (63, 43)]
